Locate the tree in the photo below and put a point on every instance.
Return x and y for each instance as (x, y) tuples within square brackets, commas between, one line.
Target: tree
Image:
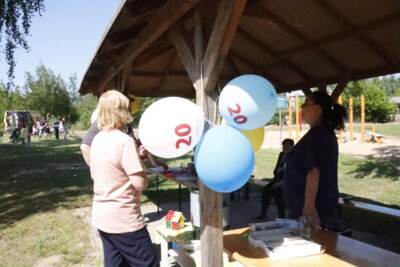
[(13, 15), (390, 84), (377, 105), (49, 94), (85, 106)]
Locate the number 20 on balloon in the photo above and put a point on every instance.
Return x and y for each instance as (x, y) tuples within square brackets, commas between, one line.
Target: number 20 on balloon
[(239, 119), (183, 131)]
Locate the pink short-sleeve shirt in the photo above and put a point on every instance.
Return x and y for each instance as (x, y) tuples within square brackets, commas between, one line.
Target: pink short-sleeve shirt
[(116, 203)]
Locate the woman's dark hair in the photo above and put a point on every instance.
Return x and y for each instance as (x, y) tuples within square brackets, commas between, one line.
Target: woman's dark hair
[(332, 114), (288, 140)]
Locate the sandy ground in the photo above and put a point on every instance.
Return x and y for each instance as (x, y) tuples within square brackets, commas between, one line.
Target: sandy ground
[(389, 148)]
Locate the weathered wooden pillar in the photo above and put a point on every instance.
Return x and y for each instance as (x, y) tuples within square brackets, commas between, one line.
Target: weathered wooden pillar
[(203, 69)]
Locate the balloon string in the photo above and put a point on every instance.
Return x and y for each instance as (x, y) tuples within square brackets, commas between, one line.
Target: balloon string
[(209, 121)]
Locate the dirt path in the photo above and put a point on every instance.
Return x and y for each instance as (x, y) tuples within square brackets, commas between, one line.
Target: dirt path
[(389, 148)]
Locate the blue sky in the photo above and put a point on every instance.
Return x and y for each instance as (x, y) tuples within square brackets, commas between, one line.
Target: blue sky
[(64, 38)]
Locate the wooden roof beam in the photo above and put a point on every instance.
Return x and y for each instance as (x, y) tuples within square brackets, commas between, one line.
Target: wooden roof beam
[(162, 21), (340, 86), (177, 36), (343, 35), (286, 27), (224, 29), (379, 71), (336, 15), (256, 69), (166, 72), (274, 54), (143, 18)]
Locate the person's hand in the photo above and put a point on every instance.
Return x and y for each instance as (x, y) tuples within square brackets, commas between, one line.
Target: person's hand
[(164, 166), (311, 212), (142, 151)]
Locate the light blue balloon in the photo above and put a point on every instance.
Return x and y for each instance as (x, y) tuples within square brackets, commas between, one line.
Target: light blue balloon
[(224, 159), (248, 102)]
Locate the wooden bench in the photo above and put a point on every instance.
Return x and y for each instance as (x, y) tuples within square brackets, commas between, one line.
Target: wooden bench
[(376, 135), (370, 207)]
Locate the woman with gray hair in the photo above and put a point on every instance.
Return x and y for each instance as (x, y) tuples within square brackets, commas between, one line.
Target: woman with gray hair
[(119, 180)]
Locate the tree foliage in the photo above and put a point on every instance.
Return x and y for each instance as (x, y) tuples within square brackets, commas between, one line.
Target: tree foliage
[(49, 94), (85, 105), (15, 14), (377, 105)]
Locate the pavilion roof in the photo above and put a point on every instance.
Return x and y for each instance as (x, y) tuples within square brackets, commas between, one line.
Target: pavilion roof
[(294, 44)]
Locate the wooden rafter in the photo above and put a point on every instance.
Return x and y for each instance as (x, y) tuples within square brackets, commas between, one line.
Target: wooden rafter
[(336, 15), (233, 65), (128, 73), (378, 71), (274, 55), (343, 35), (182, 45), (162, 21), (289, 29), (166, 72), (224, 29), (142, 18), (253, 67), (341, 85), (157, 73), (152, 53)]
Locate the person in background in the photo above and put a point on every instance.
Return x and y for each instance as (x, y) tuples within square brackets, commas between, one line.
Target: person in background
[(310, 184), (274, 188), (43, 127), (119, 179), (65, 127), (56, 126)]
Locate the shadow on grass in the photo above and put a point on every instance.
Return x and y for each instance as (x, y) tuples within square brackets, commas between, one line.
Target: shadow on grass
[(41, 178), (385, 166), (52, 174)]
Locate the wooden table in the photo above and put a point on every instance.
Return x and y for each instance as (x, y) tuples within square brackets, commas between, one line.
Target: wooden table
[(178, 175), (340, 251)]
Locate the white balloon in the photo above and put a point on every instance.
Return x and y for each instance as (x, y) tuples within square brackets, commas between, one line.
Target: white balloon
[(248, 102), (171, 127)]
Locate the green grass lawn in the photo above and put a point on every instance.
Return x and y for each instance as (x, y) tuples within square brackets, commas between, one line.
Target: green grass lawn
[(42, 187)]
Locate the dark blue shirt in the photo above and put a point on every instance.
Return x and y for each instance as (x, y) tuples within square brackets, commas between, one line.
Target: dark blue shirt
[(318, 148)]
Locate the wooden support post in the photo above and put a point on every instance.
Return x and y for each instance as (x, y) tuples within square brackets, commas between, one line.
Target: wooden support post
[(290, 117), (340, 130), (362, 119), (351, 118), (224, 29), (297, 118)]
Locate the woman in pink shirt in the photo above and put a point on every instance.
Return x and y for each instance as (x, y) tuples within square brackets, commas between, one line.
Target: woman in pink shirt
[(119, 180)]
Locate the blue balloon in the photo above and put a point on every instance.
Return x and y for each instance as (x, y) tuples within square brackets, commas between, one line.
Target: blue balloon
[(224, 159), (248, 102)]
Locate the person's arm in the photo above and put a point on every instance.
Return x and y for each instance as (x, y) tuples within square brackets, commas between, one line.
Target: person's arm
[(85, 149), (155, 162), (309, 208), (139, 180)]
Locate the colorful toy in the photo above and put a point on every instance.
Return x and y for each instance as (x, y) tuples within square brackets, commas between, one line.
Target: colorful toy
[(174, 220)]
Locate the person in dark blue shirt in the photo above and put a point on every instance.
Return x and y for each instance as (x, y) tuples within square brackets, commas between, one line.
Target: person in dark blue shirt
[(310, 185)]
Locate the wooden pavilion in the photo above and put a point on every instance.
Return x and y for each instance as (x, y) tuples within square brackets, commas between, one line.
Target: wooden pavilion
[(191, 48)]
